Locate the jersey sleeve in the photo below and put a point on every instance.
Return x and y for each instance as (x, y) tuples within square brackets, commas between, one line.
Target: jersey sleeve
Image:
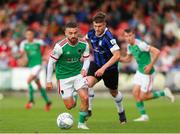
[(86, 52), (143, 46), (22, 44), (56, 52), (112, 43), (41, 42)]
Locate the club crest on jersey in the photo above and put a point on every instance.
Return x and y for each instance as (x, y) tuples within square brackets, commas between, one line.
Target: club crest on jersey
[(100, 43), (79, 50)]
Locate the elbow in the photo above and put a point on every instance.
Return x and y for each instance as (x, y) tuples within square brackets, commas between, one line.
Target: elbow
[(158, 53)]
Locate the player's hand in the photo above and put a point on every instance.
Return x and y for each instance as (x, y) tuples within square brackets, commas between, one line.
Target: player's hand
[(83, 73), (99, 72), (147, 69), (49, 86)]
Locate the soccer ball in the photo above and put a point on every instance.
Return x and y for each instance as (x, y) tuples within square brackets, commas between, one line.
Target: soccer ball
[(65, 121)]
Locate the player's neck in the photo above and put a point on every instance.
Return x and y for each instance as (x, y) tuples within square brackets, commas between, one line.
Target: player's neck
[(100, 35), (30, 40), (132, 43)]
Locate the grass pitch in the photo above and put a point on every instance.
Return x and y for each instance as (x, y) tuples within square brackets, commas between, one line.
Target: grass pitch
[(14, 118)]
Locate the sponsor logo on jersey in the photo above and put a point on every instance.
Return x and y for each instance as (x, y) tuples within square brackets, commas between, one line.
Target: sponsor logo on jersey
[(68, 52)]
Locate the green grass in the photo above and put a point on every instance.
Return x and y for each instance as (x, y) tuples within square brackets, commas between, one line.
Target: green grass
[(164, 117)]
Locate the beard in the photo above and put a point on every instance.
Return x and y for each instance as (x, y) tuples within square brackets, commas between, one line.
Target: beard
[(73, 40)]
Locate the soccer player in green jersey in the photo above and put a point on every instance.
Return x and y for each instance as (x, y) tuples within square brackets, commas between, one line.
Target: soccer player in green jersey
[(70, 72), (31, 49), (145, 56)]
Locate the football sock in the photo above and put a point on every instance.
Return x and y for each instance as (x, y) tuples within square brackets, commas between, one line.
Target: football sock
[(31, 92), (157, 94), (118, 102), (44, 95), (82, 116), (91, 97), (140, 106)]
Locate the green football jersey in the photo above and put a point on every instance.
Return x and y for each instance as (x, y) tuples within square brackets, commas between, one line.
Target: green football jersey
[(140, 51), (33, 51), (68, 57)]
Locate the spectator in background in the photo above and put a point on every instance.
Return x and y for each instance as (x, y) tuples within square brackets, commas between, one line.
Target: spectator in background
[(165, 60), (156, 22)]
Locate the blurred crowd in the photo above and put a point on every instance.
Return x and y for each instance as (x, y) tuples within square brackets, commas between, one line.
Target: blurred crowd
[(156, 22)]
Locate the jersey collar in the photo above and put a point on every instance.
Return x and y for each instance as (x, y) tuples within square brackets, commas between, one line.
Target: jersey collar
[(103, 32)]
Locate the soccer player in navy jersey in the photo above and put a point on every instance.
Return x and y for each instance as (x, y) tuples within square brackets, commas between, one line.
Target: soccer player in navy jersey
[(106, 54)]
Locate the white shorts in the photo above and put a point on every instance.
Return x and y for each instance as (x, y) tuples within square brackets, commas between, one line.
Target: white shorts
[(67, 86), (36, 70), (145, 81)]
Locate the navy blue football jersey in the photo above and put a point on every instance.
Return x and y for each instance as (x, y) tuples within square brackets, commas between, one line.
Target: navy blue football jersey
[(102, 47)]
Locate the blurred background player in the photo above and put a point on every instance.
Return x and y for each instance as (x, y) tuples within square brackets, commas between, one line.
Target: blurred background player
[(70, 72), (31, 54), (106, 54), (145, 56)]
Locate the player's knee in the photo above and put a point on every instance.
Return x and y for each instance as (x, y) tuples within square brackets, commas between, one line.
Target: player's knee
[(143, 97), (113, 93), (90, 84), (69, 106), (135, 93), (85, 98)]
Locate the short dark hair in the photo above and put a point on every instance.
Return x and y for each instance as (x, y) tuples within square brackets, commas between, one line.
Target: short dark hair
[(71, 25), (99, 17), (128, 30)]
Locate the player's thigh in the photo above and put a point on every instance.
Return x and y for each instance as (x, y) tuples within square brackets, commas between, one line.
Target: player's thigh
[(110, 79), (92, 79), (80, 82), (31, 78), (146, 83)]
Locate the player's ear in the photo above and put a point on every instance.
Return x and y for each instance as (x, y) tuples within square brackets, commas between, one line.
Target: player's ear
[(65, 32)]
